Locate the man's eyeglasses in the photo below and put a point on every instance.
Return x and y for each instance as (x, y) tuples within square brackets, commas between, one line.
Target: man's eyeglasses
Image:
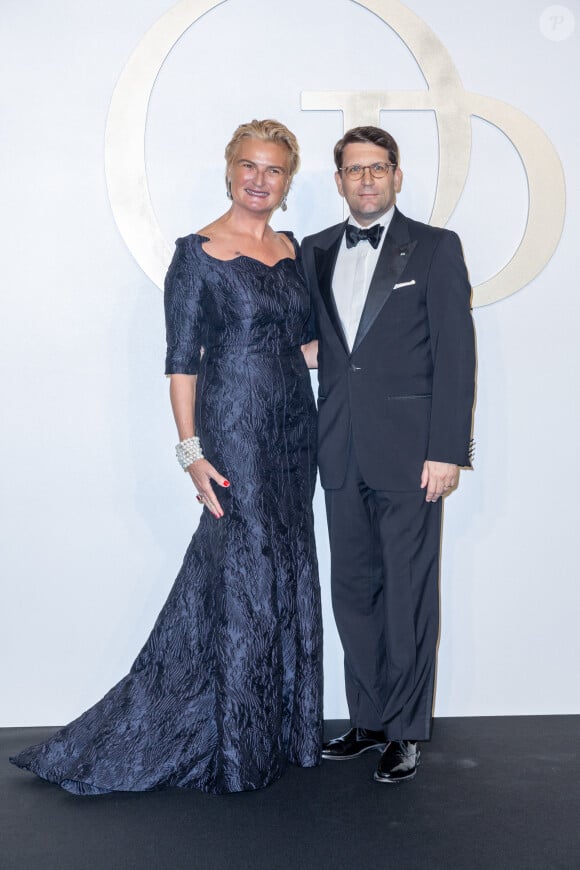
[(377, 170)]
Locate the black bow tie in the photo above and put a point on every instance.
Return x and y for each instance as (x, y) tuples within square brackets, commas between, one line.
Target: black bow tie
[(354, 235)]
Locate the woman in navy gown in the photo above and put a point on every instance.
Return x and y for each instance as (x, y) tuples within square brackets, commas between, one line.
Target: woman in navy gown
[(227, 689)]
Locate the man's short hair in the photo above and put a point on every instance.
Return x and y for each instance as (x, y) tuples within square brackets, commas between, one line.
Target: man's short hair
[(374, 135)]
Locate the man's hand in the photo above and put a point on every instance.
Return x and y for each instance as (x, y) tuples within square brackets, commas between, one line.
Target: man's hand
[(438, 478)]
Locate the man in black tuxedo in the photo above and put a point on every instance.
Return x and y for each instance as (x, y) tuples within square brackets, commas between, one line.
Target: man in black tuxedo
[(396, 363)]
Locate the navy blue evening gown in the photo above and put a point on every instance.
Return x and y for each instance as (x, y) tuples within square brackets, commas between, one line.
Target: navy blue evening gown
[(227, 689)]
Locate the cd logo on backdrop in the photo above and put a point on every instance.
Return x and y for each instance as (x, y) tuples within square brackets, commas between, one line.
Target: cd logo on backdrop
[(445, 96)]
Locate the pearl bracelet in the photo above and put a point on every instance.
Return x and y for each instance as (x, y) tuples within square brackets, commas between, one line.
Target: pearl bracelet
[(188, 451)]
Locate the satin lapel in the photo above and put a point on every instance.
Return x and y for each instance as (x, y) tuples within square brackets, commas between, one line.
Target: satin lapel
[(324, 262), (395, 254)]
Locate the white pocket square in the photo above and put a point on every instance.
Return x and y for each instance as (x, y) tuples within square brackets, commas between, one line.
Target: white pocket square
[(404, 284)]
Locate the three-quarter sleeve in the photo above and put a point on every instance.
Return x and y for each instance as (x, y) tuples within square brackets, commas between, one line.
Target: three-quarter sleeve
[(183, 313), (309, 330), (310, 326)]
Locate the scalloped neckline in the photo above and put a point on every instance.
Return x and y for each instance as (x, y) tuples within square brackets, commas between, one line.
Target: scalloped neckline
[(240, 256)]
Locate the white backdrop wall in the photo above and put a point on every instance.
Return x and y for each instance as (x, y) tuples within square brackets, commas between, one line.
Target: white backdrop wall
[(96, 515)]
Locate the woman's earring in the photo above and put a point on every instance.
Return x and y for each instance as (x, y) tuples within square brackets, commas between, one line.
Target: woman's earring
[(229, 189), (283, 204)]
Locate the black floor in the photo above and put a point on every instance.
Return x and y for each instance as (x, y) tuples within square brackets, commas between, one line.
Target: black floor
[(491, 793)]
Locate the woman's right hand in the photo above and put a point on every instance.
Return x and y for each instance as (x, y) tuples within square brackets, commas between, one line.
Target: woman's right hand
[(202, 473)]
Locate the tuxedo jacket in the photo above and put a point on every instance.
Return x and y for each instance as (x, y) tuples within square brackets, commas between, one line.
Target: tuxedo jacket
[(405, 392)]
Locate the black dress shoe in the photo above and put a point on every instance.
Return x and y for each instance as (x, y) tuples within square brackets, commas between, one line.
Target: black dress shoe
[(352, 744), (399, 761)]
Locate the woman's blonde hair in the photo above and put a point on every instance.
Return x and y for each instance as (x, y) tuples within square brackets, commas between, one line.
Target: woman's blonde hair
[(268, 131)]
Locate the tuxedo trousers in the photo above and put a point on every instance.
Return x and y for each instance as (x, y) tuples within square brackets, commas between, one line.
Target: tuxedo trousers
[(385, 553)]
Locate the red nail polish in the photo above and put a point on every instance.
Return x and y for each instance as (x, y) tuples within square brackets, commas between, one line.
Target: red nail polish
[(226, 483)]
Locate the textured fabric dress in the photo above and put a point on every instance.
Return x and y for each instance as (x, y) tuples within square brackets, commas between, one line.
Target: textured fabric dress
[(227, 688)]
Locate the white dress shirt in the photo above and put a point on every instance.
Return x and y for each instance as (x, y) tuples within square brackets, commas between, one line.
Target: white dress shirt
[(353, 274)]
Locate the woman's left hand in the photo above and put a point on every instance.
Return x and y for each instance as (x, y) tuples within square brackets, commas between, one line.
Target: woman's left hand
[(310, 352)]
